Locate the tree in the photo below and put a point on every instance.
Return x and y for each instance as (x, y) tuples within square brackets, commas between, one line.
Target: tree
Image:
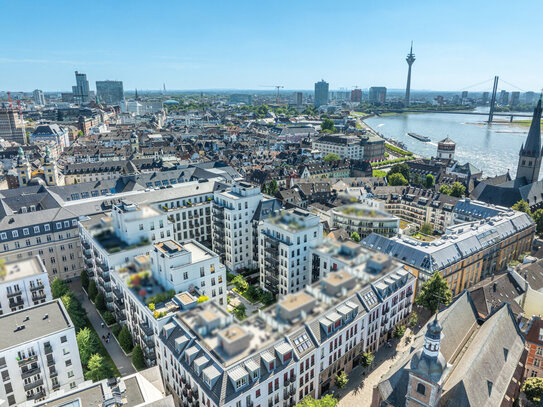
[(239, 311), (98, 369), (93, 291), (326, 401), (58, 288), (533, 388), (125, 339), (397, 179), (100, 302), (433, 292), (427, 228), (458, 190), (366, 359), (413, 319), (332, 157), (399, 331), (85, 279), (538, 219), (429, 181), (341, 380), (88, 344), (445, 189), (240, 283), (203, 298), (272, 187), (108, 318), (328, 126), (401, 168), (355, 236), (75, 310), (522, 206), (137, 357)]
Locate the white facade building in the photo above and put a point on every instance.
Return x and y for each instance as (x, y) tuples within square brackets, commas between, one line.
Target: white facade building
[(25, 284), (233, 211), (38, 353), (284, 250), (285, 352), (344, 146), (178, 267)]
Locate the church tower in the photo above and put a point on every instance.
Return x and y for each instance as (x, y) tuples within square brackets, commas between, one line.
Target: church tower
[(427, 371), (529, 162), (50, 170), (24, 172)]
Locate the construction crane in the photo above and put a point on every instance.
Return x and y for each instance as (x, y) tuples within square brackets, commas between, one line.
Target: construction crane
[(10, 102), (276, 87)]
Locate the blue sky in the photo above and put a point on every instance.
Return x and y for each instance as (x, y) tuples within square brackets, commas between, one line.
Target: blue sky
[(247, 44)]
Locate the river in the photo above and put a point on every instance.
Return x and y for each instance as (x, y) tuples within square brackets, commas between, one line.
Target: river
[(494, 149)]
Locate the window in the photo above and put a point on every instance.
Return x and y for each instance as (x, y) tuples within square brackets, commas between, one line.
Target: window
[(421, 389), (70, 373), (47, 228), (63, 339), (69, 362)]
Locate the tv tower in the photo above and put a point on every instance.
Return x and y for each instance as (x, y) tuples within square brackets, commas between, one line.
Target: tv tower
[(410, 59)]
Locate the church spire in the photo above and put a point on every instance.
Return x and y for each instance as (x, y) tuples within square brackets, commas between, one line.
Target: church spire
[(533, 142)]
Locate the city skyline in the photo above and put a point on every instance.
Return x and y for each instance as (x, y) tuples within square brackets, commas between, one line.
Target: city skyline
[(244, 46)]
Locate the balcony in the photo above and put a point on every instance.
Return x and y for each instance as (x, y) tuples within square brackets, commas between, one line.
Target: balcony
[(14, 292), (39, 296), (37, 395), (293, 378), (56, 386), (149, 343), (53, 373), (50, 360), (85, 245), (48, 349), (33, 384), (30, 372), (120, 316), (37, 286), (28, 360), (146, 329), (15, 303)]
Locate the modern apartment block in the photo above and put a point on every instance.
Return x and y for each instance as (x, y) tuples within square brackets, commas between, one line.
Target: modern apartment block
[(466, 253), (284, 243), (24, 285), (287, 351), (112, 240), (38, 353), (233, 211)]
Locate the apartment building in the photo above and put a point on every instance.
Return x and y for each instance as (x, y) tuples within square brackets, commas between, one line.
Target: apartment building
[(285, 352), (418, 205), (344, 146), (38, 353), (43, 220), (233, 212), (24, 284), (142, 389), (466, 253), (284, 243), (110, 240), (364, 220), (534, 345)]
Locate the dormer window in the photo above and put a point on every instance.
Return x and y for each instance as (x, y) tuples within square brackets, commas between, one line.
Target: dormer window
[(271, 366), (287, 356)]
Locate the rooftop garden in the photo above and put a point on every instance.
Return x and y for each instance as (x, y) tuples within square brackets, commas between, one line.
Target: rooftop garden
[(358, 211), (111, 242)]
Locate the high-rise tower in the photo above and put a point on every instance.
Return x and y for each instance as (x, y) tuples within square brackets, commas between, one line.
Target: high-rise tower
[(529, 162), (410, 59)]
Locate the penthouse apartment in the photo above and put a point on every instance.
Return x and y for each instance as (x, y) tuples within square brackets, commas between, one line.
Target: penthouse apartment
[(38, 353), (284, 242), (287, 351), (467, 252), (24, 284)]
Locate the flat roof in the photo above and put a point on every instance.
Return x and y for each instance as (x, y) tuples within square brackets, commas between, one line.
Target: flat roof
[(23, 268), (294, 301), (232, 333), (338, 277), (39, 321), (198, 253), (169, 247)]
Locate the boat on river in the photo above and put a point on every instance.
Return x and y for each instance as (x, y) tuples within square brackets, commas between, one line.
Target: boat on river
[(424, 139)]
